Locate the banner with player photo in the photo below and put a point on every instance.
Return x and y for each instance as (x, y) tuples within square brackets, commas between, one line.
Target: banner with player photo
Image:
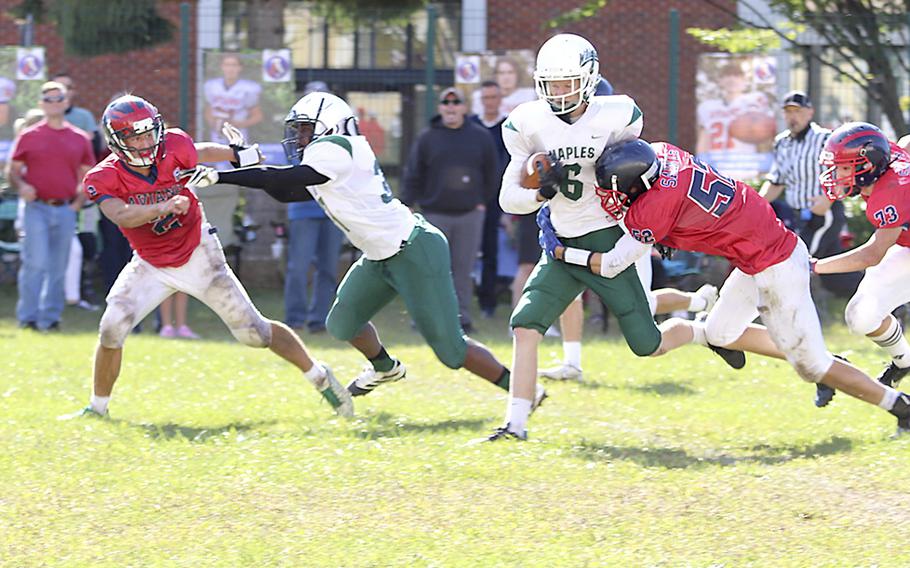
[(512, 70), (735, 115), (235, 89), (22, 70)]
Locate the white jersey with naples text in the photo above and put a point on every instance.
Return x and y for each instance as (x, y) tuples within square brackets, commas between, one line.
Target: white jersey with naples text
[(357, 197), (532, 127)]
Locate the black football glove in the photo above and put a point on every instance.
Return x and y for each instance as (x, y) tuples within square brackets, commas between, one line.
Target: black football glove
[(666, 253), (551, 180)]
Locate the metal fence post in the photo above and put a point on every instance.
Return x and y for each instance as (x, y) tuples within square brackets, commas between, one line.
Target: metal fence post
[(185, 55), (673, 79), (430, 71)]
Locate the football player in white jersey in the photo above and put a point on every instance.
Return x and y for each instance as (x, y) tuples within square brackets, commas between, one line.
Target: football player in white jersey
[(573, 126), (403, 254)]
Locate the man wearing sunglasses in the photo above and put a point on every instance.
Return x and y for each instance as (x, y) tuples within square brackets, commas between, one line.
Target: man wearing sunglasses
[(48, 162), (451, 175)]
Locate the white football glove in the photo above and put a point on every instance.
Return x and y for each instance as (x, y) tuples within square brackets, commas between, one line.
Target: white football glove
[(200, 176), (244, 155)]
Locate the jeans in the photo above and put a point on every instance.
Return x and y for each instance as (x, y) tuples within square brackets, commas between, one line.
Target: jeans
[(46, 244), (315, 242)]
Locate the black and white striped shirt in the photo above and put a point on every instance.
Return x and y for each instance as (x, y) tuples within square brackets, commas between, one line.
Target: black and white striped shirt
[(796, 165)]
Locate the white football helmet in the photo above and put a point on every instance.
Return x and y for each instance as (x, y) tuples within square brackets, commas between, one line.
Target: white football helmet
[(566, 57), (326, 113)]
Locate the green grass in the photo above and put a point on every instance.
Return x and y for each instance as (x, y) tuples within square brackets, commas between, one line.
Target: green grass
[(221, 455)]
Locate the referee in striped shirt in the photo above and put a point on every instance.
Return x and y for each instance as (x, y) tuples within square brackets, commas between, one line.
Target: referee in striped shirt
[(794, 173)]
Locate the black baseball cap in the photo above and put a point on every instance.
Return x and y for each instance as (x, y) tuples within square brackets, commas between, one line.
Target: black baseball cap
[(797, 98)]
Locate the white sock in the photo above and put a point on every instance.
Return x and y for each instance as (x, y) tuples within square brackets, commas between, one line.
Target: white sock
[(571, 350), (698, 330), (697, 303), (316, 374), (99, 403), (894, 343), (517, 414), (889, 399)]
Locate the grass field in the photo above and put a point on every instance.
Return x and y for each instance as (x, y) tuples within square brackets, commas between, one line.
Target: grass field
[(221, 455)]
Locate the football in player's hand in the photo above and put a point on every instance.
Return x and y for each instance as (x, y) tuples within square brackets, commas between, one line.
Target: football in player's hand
[(530, 176), (753, 127)]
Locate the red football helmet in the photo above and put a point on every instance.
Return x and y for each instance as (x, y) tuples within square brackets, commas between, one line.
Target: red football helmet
[(864, 148), (128, 117)]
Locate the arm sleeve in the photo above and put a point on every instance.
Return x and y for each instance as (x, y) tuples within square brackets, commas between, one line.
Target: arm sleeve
[(284, 183), (512, 197), (622, 256)]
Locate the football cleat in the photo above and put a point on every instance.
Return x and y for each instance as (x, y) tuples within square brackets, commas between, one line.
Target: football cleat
[(903, 427), (540, 394), (503, 433), (732, 357), (709, 293), (370, 378), (87, 412), (892, 375), (823, 395), (336, 395), (564, 372)]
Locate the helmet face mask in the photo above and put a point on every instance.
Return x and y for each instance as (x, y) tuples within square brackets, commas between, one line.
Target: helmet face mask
[(567, 72), (125, 122), (855, 155), (316, 115)]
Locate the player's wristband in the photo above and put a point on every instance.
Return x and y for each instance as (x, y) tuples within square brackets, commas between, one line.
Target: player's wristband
[(245, 156), (578, 257), (812, 263)]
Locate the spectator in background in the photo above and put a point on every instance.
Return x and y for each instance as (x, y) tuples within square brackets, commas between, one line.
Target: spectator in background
[(48, 162), (231, 99), (85, 245), (794, 174), (371, 130), (451, 175), (78, 116), (313, 241), (7, 92), (491, 118)]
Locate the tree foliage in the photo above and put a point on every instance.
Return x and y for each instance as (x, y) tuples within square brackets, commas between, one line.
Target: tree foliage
[(354, 10), (867, 41), (97, 27)]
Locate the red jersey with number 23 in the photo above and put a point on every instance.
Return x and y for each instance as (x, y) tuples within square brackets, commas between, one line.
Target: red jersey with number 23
[(888, 206), (692, 207), (165, 241)]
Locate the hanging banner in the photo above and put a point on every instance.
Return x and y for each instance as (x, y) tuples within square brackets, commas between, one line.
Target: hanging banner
[(735, 116), (512, 70), (30, 64), (276, 66), (234, 90), (22, 70)]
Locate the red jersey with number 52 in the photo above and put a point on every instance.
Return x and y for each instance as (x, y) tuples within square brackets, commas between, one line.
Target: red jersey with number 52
[(888, 207), (692, 207), (165, 241)]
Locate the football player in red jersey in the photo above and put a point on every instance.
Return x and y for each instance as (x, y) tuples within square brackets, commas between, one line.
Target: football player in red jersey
[(858, 160), (667, 197), (139, 189)]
